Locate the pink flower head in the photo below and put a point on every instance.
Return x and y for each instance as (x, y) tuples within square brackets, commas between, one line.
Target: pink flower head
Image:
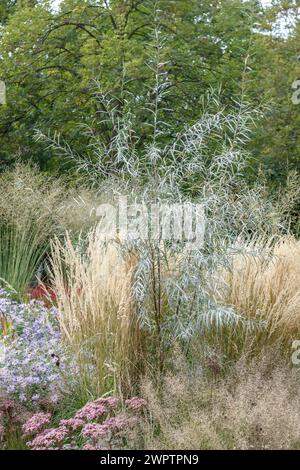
[(36, 423), (89, 447), (72, 423), (135, 403), (95, 431), (48, 438), (91, 411)]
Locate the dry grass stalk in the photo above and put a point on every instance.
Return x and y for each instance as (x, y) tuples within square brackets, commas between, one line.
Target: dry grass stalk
[(268, 287), (256, 406)]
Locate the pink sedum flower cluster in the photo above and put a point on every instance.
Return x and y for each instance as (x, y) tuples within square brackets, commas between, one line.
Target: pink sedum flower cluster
[(49, 438), (98, 423), (95, 431), (91, 411), (36, 423), (72, 423)]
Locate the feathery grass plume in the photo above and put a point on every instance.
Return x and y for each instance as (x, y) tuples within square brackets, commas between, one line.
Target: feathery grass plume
[(93, 287)]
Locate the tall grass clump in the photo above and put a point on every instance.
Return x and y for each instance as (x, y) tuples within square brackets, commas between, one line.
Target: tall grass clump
[(21, 252), (33, 208), (28, 203), (93, 287), (263, 284)]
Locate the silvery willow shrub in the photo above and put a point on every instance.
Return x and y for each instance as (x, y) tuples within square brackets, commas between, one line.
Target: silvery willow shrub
[(177, 290), (31, 366)]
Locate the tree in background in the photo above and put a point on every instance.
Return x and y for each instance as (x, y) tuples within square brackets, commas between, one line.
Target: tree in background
[(6, 8), (55, 62), (50, 61), (276, 143)]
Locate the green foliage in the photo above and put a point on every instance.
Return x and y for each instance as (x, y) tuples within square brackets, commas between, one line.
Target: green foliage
[(276, 143), (50, 60), (20, 254), (29, 206)]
